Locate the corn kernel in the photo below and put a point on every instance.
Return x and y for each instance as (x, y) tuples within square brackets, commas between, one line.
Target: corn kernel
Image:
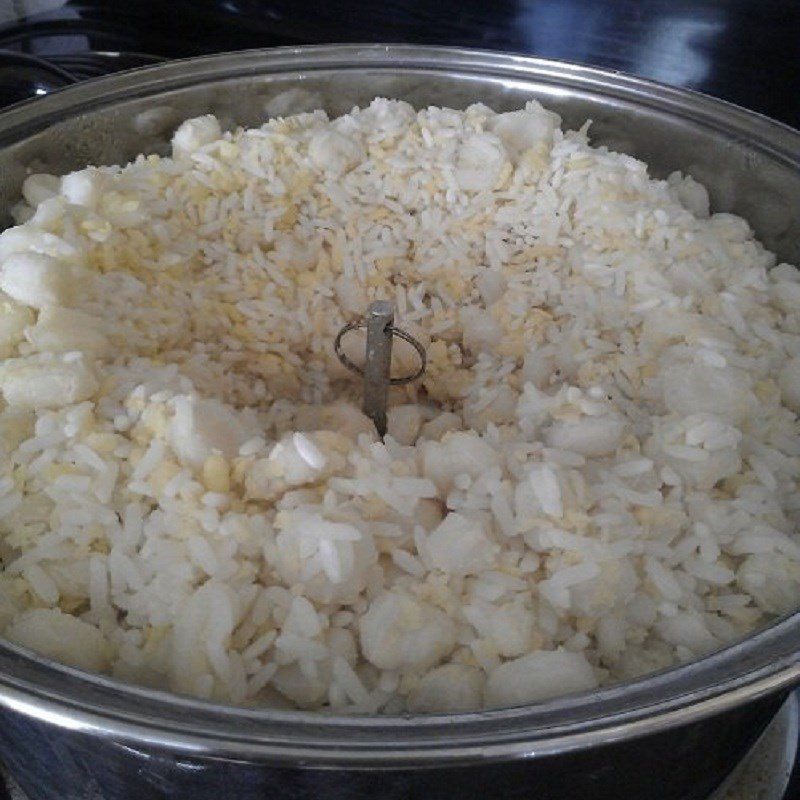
[(216, 474)]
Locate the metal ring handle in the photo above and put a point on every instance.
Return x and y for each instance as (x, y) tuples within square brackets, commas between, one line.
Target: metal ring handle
[(399, 333)]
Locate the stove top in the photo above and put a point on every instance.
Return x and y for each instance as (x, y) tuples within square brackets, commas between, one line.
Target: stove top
[(740, 50)]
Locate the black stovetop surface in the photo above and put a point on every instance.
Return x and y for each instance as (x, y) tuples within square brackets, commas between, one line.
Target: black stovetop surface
[(745, 51)]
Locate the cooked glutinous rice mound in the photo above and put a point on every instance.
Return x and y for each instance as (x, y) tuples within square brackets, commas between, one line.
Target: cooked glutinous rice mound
[(596, 478)]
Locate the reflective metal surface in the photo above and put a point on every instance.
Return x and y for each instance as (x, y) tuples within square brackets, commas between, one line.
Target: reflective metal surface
[(716, 706), (766, 772), (92, 64)]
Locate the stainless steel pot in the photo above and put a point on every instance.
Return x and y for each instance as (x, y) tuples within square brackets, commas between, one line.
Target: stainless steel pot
[(675, 734)]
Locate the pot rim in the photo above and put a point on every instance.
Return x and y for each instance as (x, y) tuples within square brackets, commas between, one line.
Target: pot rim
[(763, 664)]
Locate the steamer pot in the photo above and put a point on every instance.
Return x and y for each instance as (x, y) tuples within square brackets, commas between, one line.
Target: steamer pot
[(673, 735)]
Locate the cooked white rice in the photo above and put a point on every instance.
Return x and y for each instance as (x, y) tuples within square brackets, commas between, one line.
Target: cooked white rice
[(596, 478)]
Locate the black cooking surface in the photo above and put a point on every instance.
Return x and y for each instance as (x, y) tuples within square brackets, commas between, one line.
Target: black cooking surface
[(745, 51)]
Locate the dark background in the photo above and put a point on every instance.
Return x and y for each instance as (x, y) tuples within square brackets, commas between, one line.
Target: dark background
[(745, 51)]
